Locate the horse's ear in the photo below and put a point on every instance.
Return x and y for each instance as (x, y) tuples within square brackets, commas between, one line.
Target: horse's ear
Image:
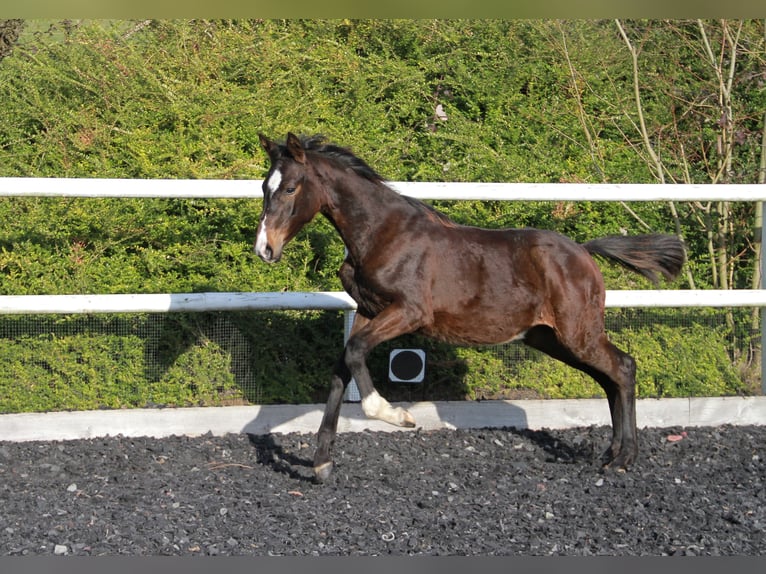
[(295, 147), (268, 146)]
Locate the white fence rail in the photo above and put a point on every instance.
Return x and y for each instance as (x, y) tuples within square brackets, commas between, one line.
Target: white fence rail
[(231, 189), (326, 300), (222, 189)]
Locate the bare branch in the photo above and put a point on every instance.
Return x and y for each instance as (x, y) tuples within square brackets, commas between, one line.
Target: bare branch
[(657, 164)]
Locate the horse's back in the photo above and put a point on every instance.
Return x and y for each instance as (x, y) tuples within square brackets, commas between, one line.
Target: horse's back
[(527, 256)]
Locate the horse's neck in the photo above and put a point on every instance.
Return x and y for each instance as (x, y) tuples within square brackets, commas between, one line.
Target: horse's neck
[(358, 212)]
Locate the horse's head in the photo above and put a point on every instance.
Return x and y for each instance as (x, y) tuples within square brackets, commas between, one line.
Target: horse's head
[(289, 202)]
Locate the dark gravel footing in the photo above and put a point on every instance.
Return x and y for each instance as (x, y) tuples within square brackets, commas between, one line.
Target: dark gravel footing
[(464, 492)]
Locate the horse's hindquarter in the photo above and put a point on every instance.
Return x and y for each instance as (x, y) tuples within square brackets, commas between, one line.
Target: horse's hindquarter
[(490, 286)]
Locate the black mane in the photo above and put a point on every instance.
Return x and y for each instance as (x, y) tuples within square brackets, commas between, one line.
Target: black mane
[(344, 156)]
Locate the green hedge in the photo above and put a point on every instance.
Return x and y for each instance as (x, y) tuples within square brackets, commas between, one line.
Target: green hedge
[(187, 99)]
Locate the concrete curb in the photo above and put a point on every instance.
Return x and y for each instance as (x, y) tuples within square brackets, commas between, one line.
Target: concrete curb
[(533, 414)]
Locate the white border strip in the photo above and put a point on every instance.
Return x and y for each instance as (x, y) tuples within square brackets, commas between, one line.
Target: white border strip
[(451, 190), (280, 419)]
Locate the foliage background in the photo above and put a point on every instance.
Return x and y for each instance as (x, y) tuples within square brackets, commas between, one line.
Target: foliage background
[(536, 101)]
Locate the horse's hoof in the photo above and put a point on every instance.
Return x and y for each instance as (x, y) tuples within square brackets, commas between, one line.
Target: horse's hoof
[(616, 469), (619, 463), (407, 420), (323, 471)]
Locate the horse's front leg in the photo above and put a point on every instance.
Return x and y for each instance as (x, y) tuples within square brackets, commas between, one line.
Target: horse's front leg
[(329, 426), (391, 322), (341, 376), (373, 405), (376, 407), (365, 335)]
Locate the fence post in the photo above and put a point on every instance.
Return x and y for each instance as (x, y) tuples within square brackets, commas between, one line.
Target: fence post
[(352, 391), (761, 286)]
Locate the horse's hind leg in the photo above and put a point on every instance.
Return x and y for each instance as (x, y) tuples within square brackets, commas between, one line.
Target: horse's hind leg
[(615, 371)]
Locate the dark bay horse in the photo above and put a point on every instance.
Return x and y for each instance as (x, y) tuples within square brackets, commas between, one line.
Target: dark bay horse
[(411, 269)]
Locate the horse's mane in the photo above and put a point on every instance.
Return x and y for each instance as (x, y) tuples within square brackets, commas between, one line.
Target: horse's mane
[(346, 158)]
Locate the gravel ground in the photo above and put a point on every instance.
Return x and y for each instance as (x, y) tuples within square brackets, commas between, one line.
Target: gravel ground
[(464, 492)]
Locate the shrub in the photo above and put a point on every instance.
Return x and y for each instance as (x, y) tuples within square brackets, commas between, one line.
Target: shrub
[(187, 99)]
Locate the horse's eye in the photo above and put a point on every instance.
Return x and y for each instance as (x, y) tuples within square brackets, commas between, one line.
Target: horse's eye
[(289, 190)]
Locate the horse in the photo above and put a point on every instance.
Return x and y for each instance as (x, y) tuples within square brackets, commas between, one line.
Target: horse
[(410, 269)]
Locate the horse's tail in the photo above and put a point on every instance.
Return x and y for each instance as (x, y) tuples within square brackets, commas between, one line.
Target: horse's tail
[(645, 254)]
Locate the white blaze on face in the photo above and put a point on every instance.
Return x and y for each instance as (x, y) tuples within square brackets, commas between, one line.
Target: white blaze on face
[(262, 241), (274, 180)]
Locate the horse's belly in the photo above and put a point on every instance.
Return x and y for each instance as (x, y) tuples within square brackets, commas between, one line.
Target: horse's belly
[(491, 329)]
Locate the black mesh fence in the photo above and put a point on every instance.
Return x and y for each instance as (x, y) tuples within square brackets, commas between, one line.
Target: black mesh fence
[(71, 362)]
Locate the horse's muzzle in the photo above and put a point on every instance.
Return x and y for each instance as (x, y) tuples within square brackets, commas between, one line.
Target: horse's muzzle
[(263, 247), (266, 253)]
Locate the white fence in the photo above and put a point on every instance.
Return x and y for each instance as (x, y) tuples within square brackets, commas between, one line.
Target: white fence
[(223, 189)]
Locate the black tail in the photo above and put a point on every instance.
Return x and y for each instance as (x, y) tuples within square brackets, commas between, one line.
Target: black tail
[(645, 254)]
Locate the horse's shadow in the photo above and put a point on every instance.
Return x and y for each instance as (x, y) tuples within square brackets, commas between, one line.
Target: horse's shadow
[(270, 453), (550, 446), (583, 450)]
